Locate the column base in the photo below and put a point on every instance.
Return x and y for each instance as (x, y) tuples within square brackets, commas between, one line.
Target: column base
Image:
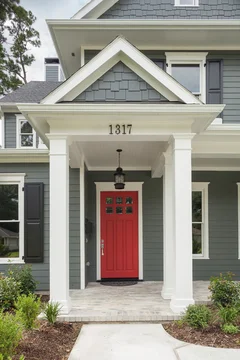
[(65, 305), (179, 306), (167, 292)]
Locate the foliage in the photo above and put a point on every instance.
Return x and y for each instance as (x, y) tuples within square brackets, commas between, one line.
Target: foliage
[(10, 358), (28, 307), (9, 291), (230, 329), (197, 316), (4, 250), (51, 312), (224, 291), (23, 275), (19, 37), (228, 315), (10, 335)]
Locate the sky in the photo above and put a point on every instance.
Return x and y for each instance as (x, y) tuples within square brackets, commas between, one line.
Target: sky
[(46, 9)]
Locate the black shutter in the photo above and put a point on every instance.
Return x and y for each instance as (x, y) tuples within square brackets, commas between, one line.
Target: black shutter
[(33, 227), (214, 81), (160, 63)]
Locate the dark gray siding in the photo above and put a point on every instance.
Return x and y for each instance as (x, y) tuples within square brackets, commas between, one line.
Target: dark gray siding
[(152, 222), (153, 9), (231, 84), (10, 130), (223, 225), (119, 84), (52, 73), (74, 228), (40, 173)]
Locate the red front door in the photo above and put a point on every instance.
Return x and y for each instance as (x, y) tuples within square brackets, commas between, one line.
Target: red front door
[(119, 234)]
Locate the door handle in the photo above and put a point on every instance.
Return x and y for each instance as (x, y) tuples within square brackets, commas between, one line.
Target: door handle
[(102, 247)]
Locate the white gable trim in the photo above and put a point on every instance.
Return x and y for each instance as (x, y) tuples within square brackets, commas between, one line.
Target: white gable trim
[(94, 8), (121, 50)]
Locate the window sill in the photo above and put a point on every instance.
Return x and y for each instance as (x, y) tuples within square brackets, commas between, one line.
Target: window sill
[(200, 257), (9, 261), (193, 6)]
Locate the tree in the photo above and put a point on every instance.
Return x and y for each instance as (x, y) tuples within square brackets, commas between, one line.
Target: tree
[(18, 36)]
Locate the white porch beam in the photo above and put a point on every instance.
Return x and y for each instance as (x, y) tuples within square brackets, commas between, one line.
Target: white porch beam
[(182, 203), (59, 221), (168, 241)]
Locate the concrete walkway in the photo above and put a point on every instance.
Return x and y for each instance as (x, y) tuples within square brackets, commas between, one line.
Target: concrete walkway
[(141, 342)]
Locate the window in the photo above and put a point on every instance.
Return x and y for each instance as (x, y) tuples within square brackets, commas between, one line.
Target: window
[(186, 2), (200, 220), (189, 70), (11, 217), (26, 136)]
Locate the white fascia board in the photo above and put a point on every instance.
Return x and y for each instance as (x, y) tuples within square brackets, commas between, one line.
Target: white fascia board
[(94, 8), (119, 50)]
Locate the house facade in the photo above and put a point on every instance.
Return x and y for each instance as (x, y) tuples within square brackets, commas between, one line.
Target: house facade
[(159, 80)]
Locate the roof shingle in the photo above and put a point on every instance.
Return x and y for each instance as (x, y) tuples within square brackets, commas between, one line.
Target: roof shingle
[(33, 92)]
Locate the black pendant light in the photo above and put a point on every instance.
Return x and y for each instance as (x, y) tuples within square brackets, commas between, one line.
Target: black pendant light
[(119, 175)]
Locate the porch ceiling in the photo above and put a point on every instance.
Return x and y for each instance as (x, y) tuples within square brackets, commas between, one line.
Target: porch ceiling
[(135, 156)]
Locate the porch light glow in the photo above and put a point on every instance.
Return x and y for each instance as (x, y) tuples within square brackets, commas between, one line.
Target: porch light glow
[(119, 175)]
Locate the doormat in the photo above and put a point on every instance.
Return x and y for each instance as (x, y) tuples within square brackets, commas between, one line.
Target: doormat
[(119, 283)]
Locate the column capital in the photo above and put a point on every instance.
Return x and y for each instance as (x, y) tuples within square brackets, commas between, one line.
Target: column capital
[(181, 141)]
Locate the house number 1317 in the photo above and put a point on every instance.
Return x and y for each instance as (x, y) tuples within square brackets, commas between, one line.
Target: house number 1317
[(120, 129)]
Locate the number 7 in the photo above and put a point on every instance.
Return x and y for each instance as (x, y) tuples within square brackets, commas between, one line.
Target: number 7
[(129, 129)]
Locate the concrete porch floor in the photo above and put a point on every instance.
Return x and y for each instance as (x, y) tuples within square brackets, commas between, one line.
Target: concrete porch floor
[(141, 302)]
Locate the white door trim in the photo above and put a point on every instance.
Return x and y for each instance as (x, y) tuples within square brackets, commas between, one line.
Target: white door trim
[(129, 186)]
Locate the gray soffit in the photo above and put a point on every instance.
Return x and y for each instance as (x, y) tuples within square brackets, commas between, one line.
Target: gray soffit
[(33, 92)]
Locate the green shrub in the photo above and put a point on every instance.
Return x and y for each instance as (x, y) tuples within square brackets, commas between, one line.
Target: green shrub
[(28, 307), (9, 291), (10, 358), (224, 291), (51, 312), (230, 329), (228, 315), (197, 316), (23, 275), (10, 335)]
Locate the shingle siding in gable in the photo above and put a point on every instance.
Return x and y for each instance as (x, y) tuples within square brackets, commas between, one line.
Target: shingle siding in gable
[(165, 9), (10, 130), (120, 84)]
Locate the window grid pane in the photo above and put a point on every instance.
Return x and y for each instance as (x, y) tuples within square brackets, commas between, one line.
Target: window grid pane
[(187, 75), (9, 202), (9, 239)]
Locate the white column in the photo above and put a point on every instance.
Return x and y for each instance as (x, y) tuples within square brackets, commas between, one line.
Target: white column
[(182, 203), (168, 245), (59, 221)]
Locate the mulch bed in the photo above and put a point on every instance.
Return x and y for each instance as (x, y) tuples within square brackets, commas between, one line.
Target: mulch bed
[(49, 342), (212, 336)]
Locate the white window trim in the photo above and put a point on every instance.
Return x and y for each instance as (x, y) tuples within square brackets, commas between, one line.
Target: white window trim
[(20, 117), (195, 3), (16, 179), (129, 186), (203, 187), (198, 58)]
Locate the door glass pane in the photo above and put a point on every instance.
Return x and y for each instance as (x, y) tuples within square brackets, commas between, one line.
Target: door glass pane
[(109, 200), (129, 210), (187, 75), (196, 206), (197, 238), (26, 140), (119, 200), (119, 210), (26, 128), (129, 200), (9, 240), (8, 202), (109, 210)]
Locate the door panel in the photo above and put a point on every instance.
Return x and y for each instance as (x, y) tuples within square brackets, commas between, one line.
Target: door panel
[(119, 234)]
